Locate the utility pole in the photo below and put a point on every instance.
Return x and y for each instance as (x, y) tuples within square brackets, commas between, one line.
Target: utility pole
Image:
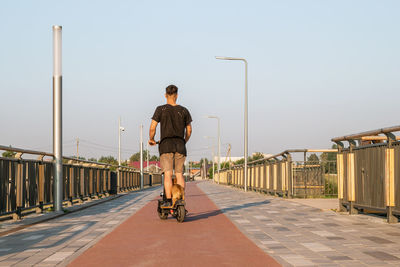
[(77, 148), (141, 156), (147, 149)]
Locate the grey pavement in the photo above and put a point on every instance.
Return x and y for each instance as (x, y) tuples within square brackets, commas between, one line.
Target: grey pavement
[(59, 241), (296, 234)]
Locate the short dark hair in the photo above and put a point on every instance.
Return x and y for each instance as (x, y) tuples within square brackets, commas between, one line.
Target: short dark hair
[(171, 90)]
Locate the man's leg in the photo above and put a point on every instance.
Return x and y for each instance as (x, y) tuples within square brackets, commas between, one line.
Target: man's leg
[(168, 183), (166, 161), (179, 164)]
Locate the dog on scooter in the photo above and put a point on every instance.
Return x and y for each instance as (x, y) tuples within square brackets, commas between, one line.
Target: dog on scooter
[(177, 192)]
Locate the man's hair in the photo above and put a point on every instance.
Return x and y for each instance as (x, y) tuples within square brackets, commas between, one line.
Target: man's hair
[(171, 90)]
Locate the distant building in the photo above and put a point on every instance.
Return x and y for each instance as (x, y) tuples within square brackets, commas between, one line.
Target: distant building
[(154, 166)]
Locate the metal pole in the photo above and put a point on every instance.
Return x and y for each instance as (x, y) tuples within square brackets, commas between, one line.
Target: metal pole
[(246, 153), (77, 148), (213, 158), (119, 153), (147, 148), (57, 118), (141, 156), (219, 149)]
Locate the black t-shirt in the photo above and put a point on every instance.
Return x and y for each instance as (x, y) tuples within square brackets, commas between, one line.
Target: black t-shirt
[(174, 120)]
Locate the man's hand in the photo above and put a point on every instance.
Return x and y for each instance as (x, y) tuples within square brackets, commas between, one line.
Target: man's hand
[(152, 133), (152, 142)]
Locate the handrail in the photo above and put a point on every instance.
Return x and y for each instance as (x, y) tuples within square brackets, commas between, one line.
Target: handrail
[(350, 137), (34, 152), (287, 152)]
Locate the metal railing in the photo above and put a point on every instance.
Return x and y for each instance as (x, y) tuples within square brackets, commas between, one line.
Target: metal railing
[(281, 175), (369, 172), (26, 184)]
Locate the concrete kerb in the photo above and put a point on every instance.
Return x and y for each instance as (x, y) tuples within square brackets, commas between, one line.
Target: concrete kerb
[(27, 222)]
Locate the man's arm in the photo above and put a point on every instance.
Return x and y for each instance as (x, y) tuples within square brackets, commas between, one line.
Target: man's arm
[(188, 132), (152, 132)]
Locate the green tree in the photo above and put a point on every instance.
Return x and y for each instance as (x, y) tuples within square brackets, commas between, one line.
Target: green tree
[(154, 158), (329, 160), (256, 156), (313, 158), (9, 154), (92, 159), (108, 159), (136, 156)]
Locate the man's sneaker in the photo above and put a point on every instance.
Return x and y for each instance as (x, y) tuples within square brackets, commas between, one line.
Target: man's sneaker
[(166, 204)]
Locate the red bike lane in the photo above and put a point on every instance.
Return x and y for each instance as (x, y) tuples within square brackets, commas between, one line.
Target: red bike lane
[(206, 237)]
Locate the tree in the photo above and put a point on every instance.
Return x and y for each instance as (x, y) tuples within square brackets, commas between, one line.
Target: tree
[(136, 157), (154, 158), (256, 156), (108, 159), (313, 158), (9, 154), (92, 159), (329, 160)]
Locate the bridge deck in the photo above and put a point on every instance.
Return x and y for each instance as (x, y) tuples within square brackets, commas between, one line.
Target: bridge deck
[(127, 231)]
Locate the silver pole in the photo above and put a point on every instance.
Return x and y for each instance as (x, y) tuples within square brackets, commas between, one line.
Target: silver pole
[(219, 149), (119, 153), (141, 156), (147, 149), (57, 118), (246, 154), (213, 160)]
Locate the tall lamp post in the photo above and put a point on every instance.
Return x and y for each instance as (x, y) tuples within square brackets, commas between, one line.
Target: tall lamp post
[(213, 155), (57, 118), (141, 156), (120, 129), (245, 117), (219, 143)]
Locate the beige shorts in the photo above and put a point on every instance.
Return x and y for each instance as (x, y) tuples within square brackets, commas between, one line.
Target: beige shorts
[(170, 161)]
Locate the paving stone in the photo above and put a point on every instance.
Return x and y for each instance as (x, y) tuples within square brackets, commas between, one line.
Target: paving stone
[(380, 255), (377, 240)]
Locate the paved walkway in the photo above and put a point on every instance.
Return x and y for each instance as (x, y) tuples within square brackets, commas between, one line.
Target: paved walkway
[(206, 238), (62, 239), (126, 231), (302, 235)]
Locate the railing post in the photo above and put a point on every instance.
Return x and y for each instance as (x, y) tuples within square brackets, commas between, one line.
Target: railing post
[(340, 177), (351, 194), (389, 184), (19, 187), (40, 187), (290, 176)]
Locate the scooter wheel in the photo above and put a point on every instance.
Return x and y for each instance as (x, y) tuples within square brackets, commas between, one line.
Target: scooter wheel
[(162, 215), (180, 213)]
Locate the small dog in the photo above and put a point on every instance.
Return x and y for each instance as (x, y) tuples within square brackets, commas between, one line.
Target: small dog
[(177, 192)]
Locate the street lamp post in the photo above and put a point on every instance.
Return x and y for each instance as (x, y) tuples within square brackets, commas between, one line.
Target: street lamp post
[(213, 156), (141, 156), (120, 129), (219, 144), (245, 117), (57, 118)]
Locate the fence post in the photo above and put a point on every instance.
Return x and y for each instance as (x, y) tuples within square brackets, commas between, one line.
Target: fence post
[(40, 188), (351, 194), (289, 176), (19, 186), (340, 177), (389, 184), (275, 177)]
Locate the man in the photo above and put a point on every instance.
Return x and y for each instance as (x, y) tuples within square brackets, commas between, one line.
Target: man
[(176, 130)]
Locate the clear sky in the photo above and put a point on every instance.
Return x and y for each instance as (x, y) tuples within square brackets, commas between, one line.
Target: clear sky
[(317, 69)]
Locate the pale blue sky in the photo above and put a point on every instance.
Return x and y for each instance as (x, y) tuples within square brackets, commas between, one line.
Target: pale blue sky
[(317, 69)]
